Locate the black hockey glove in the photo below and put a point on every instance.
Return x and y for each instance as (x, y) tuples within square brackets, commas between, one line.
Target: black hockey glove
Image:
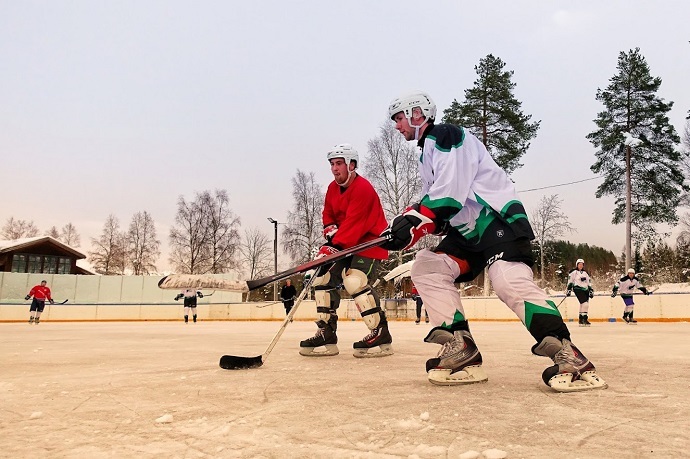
[(27, 297), (613, 294), (51, 301), (591, 293), (199, 294), (178, 296), (568, 292), (407, 228)]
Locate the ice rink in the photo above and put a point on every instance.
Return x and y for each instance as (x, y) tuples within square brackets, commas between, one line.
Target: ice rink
[(144, 390)]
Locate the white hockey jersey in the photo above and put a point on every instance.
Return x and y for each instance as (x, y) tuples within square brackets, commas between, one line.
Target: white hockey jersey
[(579, 280), (466, 189)]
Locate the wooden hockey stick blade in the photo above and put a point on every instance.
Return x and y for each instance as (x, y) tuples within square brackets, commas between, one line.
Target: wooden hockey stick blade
[(179, 281), (232, 362), (313, 264)]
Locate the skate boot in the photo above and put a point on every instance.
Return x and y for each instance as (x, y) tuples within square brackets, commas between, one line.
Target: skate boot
[(378, 337), (458, 362), (587, 323), (194, 318), (325, 338), (417, 321), (36, 321), (572, 370), (581, 320), (186, 319), (31, 320), (631, 321)]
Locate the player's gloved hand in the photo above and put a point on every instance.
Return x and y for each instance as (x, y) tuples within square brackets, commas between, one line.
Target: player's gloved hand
[(407, 228), (27, 297), (613, 294), (51, 301), (647, 292), (568, 292), (329, 231), (325, 250), (178, 297), (591, 293), (199, 294)]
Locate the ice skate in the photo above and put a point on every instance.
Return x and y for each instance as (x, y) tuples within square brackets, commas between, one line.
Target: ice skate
[(31, 320), (587, 322), (631, 320), (458, 362), (584, 321), (417, 321), (379, 338), (572, 370), (36, 321), (325, 340), (581, 321)]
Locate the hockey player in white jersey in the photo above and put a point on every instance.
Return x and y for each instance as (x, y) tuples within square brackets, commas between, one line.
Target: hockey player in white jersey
[(627, 285), (467, 197), (580, 283), (190, 295)]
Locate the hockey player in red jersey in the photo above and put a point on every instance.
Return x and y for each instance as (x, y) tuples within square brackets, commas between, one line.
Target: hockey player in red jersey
[(467, 197), (352, 214), (41, 293)]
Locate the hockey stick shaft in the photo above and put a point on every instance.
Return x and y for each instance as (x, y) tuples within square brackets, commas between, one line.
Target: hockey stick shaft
[(231, 362), (313, 264)]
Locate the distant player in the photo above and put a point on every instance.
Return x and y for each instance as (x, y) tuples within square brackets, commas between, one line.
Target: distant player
[(414, 294), (580, 283), (627, 285), (190, 295), (287, 295), (41, 293)]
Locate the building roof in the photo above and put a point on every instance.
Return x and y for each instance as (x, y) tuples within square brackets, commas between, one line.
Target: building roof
[(27, 242)]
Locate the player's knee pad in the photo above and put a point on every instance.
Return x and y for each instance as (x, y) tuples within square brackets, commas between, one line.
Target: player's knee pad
[(321, 280), (356, 284)]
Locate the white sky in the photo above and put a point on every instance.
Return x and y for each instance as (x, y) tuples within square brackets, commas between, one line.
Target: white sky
[(120, 107)]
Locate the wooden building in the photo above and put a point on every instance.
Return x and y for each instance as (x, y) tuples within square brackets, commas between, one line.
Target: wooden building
[(43, 254)]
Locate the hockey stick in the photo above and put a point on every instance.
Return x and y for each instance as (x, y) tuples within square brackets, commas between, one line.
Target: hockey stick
[(269, 304), (257, 283), (561, 302), (176, 281), (210, 294), (233, 362)]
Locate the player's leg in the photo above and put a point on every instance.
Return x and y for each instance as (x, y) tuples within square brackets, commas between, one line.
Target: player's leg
[(32, 310), (514, 285), (628, 311), (583, 298), (325, 341), (459, 361), (39, 309), (357, 282)]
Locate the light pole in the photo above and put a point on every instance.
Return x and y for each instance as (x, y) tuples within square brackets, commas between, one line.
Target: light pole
[(275, 256)]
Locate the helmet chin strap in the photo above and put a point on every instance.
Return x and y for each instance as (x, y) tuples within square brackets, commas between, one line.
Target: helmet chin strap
[(416, 127), (349, 175)]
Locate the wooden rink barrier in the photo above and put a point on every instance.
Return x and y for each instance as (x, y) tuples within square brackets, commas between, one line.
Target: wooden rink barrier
[(138, 298)]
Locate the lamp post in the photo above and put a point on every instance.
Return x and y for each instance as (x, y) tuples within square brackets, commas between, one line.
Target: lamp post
[(275, 256)]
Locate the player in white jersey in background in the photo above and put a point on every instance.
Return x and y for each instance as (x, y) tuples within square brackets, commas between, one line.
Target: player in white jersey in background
[(580, 283), (627, 285), (467, 197), (190, 295)]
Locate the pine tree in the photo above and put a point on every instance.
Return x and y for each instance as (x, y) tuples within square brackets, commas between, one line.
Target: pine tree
[(631, 105), (493, 114)]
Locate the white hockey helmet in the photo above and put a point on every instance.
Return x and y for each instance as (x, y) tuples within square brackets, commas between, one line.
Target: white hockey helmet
[(631, 271), (579, 260), (407, 102), (345, 151)]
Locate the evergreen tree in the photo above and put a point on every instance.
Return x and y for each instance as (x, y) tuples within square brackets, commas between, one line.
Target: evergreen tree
[(632, 106), (493, 114)]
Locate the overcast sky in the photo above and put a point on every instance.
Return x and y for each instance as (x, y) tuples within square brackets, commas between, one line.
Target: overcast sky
[(122, 106)]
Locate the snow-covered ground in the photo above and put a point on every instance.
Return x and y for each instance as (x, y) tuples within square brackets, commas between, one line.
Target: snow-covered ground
[(143, 390)]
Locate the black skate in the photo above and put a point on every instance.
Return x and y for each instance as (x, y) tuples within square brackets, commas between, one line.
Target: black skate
[(378, 337), (325, 338), (572, 370), (587, 323), (31, 320), (631, 320), (458, 362), (584, 321)]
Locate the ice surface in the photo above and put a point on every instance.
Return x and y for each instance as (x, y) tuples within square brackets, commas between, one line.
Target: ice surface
[(101, 387)]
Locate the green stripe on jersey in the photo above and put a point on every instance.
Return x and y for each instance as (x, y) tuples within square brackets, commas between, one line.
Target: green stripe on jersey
[(531, 309)]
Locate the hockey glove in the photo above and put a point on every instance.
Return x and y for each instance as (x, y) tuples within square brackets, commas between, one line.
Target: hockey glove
[(178, 297), (568, 292), (591, 293), (199, 294), (329, 231), (407, 228), (613, 294), (51, 301), (27, 297)]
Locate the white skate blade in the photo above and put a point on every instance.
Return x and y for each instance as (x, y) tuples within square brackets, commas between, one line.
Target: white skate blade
[(321, 351), (468, 375), (588, 380), (363, 353)]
